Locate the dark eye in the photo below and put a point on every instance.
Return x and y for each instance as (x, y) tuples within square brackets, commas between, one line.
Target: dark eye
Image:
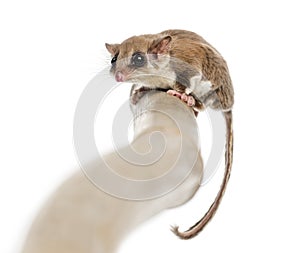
[(138, 60), (114, 59)]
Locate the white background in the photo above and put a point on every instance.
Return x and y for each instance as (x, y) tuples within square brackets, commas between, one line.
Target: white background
[(50, 50)]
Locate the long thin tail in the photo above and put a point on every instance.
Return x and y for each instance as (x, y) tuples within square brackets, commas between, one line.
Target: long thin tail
[(195, 229)]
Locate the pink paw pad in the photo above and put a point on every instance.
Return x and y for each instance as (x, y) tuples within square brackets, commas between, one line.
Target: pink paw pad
[(190, 101), (184, 97), (174, 93)]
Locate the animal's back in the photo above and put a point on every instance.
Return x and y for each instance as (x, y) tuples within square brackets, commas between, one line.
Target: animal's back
[(192, 49)]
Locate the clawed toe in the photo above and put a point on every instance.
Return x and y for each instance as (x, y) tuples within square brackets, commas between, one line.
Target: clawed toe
[(190, 101), (184, 97)]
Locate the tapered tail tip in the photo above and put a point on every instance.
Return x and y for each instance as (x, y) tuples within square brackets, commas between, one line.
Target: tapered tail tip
[(175, 230)]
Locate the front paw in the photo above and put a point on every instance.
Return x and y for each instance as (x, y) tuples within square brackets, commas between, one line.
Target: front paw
[(174, 93), (189, 100)]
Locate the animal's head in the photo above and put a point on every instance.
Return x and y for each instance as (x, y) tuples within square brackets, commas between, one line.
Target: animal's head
[(140, 59)]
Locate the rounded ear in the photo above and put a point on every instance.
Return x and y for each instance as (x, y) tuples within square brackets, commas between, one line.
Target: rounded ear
[(160, 46), (112, 48)]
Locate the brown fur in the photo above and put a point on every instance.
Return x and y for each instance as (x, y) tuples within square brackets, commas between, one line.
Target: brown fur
[(194, 50), (196, 56)]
